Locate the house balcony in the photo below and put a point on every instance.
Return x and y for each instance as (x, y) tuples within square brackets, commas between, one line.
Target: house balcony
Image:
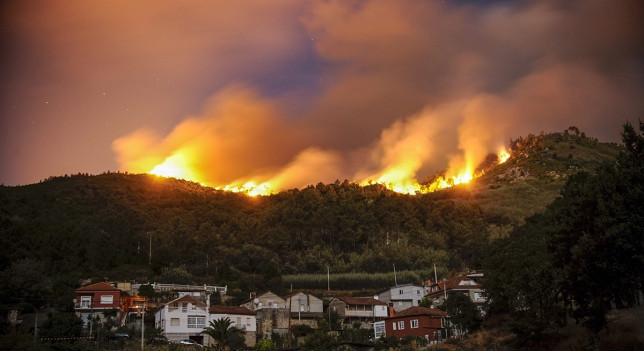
[(360, 314)]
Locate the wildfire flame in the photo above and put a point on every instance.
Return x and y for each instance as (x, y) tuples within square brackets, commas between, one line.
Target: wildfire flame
[(249, 188), (503, 156), (176, 166), (396, 179), (392, 180)]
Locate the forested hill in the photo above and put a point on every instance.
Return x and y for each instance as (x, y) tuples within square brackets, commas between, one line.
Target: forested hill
[(66, 228)]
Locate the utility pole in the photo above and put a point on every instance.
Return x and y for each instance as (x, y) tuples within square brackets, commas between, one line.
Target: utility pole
[(435, 276), (395, 279), (143, 325), (328, 279), (150, 258), (290, 306), (36, 329), (91, 315)]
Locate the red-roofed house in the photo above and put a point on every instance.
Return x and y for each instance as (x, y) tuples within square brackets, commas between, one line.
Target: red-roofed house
[(424, 322), (463, 284), (242, 318), (95, 300), (358, 309)]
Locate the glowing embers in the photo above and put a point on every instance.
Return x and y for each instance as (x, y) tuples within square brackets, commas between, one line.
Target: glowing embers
[(249, 188), (503, 156)]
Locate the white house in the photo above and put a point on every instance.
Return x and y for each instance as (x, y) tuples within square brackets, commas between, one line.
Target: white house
[(402, 297), (183, 318), (242, 318)]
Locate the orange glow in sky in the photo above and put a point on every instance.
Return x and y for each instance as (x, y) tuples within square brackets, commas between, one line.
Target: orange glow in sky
[(313, 91)]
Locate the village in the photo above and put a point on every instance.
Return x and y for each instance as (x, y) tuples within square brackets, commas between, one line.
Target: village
[(181, 312)]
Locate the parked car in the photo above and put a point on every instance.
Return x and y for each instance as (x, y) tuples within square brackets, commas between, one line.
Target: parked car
[(189, 342), (158, 340), (121, 336)]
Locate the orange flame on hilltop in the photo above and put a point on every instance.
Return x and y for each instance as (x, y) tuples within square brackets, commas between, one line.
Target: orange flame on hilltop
[(392, 181), (504, 155), (396, 179), (249, 188), (179, 166), (176, 166)]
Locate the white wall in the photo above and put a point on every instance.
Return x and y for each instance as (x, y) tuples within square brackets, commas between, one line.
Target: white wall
[(164, 317)]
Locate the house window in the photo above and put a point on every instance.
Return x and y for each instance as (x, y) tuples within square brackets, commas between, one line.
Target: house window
[(175, 322), (107, 299), (401, 325), (393, 325), (238, 321), (196, 322), (247, 322), (414, 323), (194, 306), (379, 329), (184, 307), (400, 291), (86, 302), (479, 296)]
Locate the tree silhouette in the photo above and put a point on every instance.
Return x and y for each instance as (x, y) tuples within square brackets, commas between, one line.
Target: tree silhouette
[(222, 331)]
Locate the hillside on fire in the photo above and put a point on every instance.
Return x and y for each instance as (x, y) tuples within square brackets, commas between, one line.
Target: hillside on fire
[(149, 228)]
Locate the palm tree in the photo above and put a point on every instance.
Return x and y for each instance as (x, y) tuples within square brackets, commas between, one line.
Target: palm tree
[(221, 330)]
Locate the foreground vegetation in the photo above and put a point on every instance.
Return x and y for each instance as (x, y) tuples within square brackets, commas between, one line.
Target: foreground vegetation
[(579, 260)]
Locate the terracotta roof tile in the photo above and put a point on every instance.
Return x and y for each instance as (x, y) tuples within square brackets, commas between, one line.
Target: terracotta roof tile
[(102, 286), (188, 298), (418, 311), (370, 301), (218, 309)]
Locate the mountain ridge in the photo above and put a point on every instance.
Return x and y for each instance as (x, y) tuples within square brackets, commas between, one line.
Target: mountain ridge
[(83, 225)]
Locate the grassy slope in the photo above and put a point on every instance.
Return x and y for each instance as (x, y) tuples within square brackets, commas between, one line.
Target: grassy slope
[(533, 177)]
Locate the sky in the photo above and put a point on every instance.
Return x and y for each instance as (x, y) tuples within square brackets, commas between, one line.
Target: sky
[(300, 92)]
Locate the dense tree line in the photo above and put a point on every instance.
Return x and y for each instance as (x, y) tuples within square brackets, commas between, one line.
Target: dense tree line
[(580, 258), (125, 226), (140, 226)]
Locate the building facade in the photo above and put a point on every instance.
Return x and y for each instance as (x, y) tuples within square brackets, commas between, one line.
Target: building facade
[(361, 310), (305, 309), (423, 322), (97, 302), (402, 297), (241, 317), (468, 285), (183, 318)]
